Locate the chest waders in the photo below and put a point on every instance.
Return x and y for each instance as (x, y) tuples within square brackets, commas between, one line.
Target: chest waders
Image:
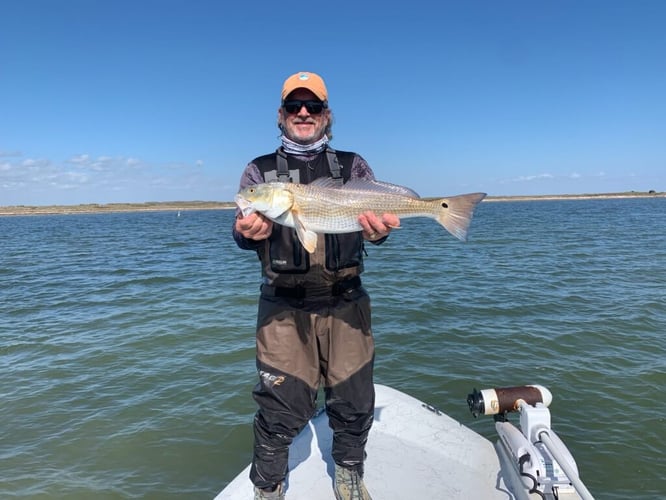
[(285, 263), (304, 340), (283, 168)]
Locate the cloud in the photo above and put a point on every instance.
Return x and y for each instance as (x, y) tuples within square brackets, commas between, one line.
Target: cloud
[(550, 177), (40, 175), (100, 163), (35, 164), (79, 160), (84, 178), (568, 182), (10, 154), (529, 178)]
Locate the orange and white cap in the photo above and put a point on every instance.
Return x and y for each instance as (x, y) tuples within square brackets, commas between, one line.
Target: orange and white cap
[(305, 80)]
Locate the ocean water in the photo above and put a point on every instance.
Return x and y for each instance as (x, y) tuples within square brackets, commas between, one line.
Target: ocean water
[(127, 350)]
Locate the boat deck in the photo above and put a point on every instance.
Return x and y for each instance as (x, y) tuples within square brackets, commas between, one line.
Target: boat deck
[(412, 452)]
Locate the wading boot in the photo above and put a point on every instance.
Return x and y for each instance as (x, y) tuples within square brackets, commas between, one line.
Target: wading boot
[(349, 485), (276, 494)]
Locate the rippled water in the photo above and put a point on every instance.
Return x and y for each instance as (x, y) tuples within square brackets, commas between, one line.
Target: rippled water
[(127, 350)]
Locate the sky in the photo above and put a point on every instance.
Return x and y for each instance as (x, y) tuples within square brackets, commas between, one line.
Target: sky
[(169, 100)]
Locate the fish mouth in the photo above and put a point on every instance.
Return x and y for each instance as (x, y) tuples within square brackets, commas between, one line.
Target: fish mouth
[(244, 205)]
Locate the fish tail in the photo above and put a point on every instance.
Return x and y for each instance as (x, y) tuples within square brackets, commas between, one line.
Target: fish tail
[(455, 213)]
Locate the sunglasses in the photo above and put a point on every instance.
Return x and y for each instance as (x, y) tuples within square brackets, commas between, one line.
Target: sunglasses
[(313, 107)]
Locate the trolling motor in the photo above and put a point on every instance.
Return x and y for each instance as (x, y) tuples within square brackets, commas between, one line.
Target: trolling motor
[(535, 462), (502, 400)]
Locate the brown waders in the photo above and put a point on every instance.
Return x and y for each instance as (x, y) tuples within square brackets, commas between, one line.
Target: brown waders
[(302, 341)]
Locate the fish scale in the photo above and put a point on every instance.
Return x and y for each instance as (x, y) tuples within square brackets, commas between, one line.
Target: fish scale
[(337, 210)]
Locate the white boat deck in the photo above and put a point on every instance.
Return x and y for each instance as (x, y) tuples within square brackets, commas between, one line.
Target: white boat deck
[(413, 452)]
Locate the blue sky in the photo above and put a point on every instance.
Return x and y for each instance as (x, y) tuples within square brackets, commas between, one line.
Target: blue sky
[(166, 100)]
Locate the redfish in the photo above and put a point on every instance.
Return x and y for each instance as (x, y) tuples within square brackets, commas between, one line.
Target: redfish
[(323, 206)]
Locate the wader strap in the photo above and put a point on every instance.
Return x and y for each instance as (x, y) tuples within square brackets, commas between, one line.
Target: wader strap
[(334, 165), (331, 157), (282, 167)]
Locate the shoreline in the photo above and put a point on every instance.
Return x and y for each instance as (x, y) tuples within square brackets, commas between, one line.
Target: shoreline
[(95, 208), (91, 208), (593, 196)]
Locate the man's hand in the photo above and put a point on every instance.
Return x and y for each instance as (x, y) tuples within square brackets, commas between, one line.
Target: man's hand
[(376, 228), (254, 226)]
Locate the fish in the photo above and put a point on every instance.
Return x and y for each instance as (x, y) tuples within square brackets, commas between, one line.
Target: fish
[(324, 206)]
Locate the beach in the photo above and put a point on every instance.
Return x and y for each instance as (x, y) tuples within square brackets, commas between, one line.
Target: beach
[(89, 208)]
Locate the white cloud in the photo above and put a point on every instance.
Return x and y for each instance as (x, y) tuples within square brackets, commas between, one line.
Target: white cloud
[(528, 178), (80, 159), (84, 178), (101, 163), (32, 163)]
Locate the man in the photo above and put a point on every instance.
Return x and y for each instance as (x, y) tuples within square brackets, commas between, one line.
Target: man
[(313, 322)]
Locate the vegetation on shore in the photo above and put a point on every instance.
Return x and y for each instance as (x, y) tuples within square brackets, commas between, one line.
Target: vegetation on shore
[(156, 206), (590, 196), (151, 206)]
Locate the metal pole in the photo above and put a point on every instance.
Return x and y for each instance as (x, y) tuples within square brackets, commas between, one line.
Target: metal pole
[(581, 489)]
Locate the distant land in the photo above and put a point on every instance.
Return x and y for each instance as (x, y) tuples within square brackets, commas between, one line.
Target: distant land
[(158, 206)]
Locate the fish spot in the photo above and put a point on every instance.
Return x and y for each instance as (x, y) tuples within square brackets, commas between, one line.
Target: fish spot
[(445, 205)]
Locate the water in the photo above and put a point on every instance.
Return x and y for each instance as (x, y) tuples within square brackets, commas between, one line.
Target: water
[(127, 351)]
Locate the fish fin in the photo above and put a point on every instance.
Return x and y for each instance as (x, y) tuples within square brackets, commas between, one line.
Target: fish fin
[(307, 238), (326, 183), (364, 185), (455, 213), (380, 187)]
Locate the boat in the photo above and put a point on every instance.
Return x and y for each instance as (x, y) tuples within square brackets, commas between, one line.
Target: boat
[(416, 451)]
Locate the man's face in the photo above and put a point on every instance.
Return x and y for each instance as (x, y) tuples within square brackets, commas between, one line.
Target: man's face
[(303, 127)]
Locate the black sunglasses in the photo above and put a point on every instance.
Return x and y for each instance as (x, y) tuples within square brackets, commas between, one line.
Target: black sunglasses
[(313, 107)]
